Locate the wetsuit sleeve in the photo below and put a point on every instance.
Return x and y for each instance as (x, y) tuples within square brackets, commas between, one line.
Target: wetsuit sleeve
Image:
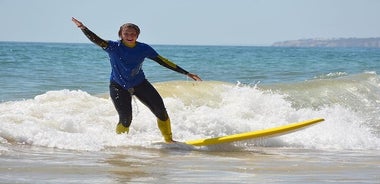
[(168, 64), (95, 38)]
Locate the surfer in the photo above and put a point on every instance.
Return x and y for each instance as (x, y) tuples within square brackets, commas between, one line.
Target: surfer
[(127, 77)]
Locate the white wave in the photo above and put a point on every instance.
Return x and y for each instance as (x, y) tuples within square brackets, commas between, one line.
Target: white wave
[(77, 120), (331, 75)]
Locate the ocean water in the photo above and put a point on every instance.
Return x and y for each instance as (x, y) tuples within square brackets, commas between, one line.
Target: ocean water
[(57, 121)]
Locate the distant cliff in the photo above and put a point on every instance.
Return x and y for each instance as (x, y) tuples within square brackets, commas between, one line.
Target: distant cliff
[(337, 42)]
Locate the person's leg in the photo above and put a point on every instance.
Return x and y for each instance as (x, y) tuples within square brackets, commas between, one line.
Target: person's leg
[(149, 96), (121, 99)]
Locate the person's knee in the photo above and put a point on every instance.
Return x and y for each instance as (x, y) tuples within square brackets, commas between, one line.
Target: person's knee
[(125, 119), (162, 115)]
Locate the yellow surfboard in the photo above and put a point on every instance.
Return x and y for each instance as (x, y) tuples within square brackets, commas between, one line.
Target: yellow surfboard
[(270, 132)]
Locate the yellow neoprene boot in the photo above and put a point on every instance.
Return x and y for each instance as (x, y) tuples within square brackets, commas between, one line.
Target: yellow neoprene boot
[(165, 129), (120, 128)]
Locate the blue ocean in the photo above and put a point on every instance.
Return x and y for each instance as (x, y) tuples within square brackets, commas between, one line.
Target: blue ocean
[(57, 122)]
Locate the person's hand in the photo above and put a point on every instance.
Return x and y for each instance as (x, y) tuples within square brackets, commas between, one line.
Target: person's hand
[(194, 77), (78, 23)]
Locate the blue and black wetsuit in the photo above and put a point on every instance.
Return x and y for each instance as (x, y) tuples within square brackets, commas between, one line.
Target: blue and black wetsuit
[(127, 77)]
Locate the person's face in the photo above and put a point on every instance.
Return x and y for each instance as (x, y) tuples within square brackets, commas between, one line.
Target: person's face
[(129, 36)]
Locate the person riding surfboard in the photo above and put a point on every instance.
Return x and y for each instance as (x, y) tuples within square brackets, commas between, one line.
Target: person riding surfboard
[(127, 76)]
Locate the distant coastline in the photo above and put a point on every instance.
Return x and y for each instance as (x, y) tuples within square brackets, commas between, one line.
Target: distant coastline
[(335, 42)]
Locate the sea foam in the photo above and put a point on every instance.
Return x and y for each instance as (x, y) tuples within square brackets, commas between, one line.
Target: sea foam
[(74, 119)]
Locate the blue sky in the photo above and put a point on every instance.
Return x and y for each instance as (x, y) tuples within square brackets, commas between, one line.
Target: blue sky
[(191, 22)]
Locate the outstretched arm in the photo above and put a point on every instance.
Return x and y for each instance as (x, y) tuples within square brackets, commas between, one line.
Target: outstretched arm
[(168, 64), (90, 35)]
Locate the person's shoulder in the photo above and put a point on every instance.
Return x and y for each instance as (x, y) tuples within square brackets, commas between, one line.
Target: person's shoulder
[(111, 42), (142, 44), (149, 50), (112, 46)]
